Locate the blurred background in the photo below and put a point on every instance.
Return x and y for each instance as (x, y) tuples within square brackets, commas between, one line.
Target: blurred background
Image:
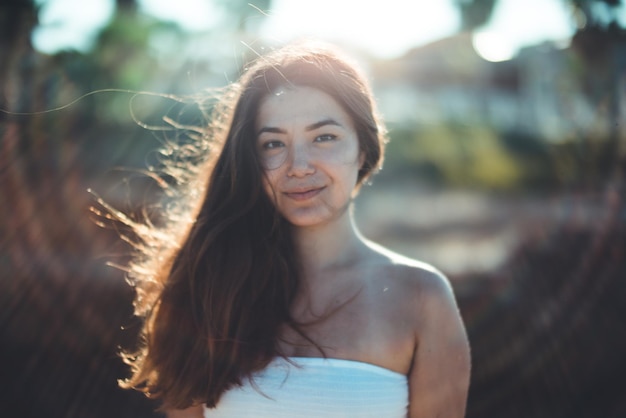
[(505, 170)]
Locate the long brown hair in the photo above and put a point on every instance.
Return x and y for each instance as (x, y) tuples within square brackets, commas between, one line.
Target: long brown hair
[(215, 286)]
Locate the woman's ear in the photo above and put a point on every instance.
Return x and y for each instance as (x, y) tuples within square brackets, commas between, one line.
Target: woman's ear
[(361, 159)]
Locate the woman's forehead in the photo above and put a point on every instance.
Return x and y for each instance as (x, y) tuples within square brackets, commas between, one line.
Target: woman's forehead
[(286, 106)]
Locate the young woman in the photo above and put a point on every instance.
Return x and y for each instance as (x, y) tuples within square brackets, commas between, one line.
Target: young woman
[(265, 301)]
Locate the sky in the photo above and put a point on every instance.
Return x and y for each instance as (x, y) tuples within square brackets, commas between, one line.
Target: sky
[(384, 28)]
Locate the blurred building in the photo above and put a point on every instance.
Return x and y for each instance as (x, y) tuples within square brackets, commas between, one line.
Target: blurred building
[(539, 92)]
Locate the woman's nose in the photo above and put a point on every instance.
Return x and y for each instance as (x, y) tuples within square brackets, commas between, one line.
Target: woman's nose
[(300, 161)]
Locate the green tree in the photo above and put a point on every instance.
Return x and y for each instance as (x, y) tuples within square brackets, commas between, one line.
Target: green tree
[(600, 46), (475, 13)]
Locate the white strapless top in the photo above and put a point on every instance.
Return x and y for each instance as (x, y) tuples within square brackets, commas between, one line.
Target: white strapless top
[(314, 388)]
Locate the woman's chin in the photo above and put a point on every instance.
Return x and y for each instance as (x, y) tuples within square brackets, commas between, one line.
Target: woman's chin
[(305, 223), (315, 216), (306, 220)]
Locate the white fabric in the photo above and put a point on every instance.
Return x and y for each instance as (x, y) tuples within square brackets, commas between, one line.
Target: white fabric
[(317, 387)]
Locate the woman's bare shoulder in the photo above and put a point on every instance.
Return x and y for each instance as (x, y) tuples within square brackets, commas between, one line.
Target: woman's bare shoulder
[(408, 271), (420, 286)]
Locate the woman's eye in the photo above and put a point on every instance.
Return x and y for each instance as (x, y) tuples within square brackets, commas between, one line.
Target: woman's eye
[(272, 145), (325, 138)]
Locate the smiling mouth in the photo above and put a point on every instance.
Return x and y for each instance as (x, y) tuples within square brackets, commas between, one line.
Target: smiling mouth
[(304, 194)]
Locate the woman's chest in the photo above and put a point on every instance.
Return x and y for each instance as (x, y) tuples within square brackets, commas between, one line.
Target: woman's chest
[(370, 327)]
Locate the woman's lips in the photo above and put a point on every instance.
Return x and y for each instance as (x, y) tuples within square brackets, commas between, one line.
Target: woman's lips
[(300, 195)]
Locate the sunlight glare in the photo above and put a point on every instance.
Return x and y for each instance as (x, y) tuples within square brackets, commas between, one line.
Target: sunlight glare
[(70, 24), (385, 29), (515, 24), (492, 47), (192, 15)]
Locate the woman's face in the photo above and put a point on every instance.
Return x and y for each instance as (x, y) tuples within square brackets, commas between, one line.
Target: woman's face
[(310, 153)]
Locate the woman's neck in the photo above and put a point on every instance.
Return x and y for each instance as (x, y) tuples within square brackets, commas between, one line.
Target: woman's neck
[(328, 246)]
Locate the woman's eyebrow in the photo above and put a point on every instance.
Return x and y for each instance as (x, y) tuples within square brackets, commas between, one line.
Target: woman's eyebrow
[(311, 127), (271, 130), (324, 122)]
